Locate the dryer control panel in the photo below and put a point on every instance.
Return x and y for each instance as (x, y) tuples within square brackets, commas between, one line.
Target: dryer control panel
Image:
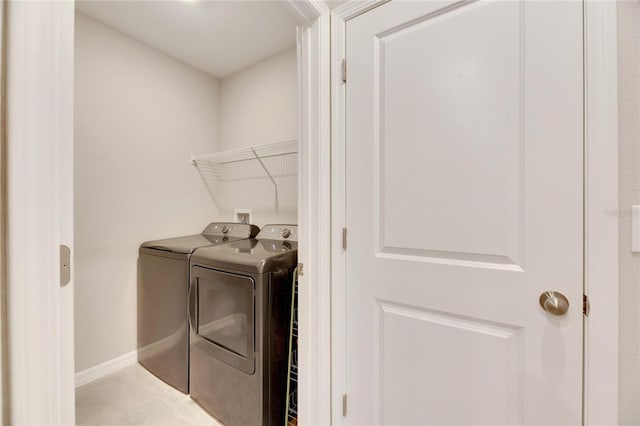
[(279, 232)]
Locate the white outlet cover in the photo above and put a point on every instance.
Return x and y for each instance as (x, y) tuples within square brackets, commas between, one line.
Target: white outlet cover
[(242, 215), (635, 229)]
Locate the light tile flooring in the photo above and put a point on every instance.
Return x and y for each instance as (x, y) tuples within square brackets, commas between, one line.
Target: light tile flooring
[(133, 396)]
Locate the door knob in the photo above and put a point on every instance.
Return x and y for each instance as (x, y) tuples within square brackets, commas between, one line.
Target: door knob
[(554, 302)]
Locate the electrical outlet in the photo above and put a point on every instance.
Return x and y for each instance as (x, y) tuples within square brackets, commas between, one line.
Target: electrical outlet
[(242, 215)]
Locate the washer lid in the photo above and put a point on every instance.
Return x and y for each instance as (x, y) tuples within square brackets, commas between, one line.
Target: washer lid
[(214, 234)]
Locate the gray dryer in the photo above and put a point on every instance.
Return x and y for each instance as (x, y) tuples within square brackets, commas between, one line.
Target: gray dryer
[(239, 313)]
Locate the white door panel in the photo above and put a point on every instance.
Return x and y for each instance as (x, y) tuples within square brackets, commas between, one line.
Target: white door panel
[(466, 352), (464, 157), (462, 113)]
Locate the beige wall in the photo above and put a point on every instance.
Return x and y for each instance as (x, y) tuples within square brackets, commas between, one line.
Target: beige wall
[(259, 105), (332, 4), (4, 336), (629, 163), (139, 115)]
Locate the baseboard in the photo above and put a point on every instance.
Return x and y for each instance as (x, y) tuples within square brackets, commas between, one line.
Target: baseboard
[(90, 374)]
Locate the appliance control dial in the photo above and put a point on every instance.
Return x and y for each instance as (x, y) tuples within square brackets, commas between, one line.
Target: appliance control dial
[(279, 232), (225, 229)]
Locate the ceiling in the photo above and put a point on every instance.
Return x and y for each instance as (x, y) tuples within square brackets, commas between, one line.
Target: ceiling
[(217, 37)]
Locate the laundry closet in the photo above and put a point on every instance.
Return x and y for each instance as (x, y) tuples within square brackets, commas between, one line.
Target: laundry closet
[(186, 114)]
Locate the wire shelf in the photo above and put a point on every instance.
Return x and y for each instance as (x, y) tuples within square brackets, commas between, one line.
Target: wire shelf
[(256, 176)]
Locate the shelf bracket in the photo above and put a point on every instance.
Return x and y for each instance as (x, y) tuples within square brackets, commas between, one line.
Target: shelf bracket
[(275, 185), (265, 169)]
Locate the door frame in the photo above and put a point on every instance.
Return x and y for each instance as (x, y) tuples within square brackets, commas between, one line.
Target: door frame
[(39, 132), (600, 397), (4, 354), (40, 210)]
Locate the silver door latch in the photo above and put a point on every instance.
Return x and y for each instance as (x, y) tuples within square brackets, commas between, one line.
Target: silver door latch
[(65, 265)]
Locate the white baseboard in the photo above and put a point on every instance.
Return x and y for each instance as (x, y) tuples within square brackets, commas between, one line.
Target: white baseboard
[(90, 374)]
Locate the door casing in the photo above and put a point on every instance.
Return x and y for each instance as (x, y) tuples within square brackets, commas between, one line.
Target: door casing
[(600, 403)]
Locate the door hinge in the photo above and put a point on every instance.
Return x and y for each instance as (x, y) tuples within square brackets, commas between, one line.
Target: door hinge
[(344, 238), (344, 405), (65, 265), (300, 269), (586, 305), (344, 70)]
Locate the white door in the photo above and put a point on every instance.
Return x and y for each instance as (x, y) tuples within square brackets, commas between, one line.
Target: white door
[(464, 180)]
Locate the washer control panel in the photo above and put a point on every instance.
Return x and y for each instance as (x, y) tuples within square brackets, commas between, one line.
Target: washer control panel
[(236, 230), (279, 232)]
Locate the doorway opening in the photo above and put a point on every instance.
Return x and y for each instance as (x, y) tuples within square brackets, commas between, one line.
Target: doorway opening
[(185, 112)]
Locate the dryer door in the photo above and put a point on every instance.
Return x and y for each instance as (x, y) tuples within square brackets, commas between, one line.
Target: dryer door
[(226, 316)]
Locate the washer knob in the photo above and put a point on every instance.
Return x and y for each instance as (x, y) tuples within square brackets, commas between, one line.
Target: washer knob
[(286, 232), (225, 229)]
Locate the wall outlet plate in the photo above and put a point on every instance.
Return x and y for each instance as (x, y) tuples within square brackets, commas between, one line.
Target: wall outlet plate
[(635, 229), (242, 215)]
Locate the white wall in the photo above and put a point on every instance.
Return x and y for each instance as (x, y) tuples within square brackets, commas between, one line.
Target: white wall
[(332, 4), (139, 115), (629, 163), (629, 144), (4, 376), (259, 105)]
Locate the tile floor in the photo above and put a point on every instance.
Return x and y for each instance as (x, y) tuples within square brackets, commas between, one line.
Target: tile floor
[(133, 396)]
